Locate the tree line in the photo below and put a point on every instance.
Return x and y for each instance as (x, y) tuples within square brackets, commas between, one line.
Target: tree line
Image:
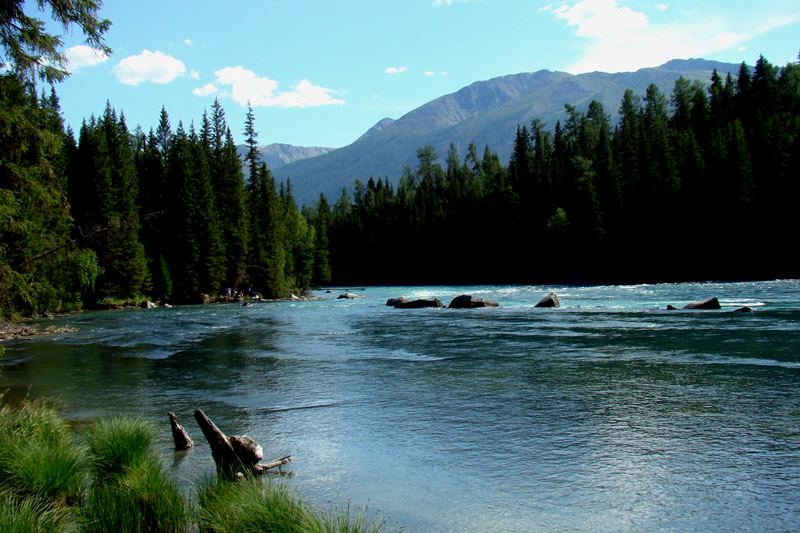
[(122, 215), (700, 184), (697, 185)]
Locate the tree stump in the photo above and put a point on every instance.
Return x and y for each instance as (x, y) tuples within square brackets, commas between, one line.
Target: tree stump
[(234, 454), (179, 435)]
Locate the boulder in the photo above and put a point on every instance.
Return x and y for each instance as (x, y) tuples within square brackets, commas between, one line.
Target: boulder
[(349, 296), (392, 302), (744, 309), (711, 303), (293, 296), (551, 300), (147, 304), (418, 304), (467, 301)]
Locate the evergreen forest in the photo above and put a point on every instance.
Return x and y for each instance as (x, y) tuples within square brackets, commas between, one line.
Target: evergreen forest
[(699, 184)]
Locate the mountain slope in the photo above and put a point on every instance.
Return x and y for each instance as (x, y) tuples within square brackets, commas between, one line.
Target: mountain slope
[(486, 113), (278, 155)]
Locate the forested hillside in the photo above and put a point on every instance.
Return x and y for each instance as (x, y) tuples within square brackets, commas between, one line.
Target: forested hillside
[(698, 184)]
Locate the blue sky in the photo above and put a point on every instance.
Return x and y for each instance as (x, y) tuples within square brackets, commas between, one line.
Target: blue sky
[(320, 73)]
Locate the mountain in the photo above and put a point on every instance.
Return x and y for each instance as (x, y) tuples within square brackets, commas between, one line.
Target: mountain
[(486, 113), (278, 155)]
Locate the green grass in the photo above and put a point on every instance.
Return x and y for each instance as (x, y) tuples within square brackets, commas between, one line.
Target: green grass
[(117, 481), (258, 504), (39, 455), (143, 498), (28, 515), (117, 443)]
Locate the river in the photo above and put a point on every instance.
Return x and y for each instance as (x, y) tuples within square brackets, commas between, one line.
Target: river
[(609, 413)]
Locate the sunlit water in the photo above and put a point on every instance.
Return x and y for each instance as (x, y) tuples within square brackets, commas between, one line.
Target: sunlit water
[(609, 413)]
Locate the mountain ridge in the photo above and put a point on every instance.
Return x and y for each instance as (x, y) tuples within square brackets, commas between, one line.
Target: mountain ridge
[(485, 112)]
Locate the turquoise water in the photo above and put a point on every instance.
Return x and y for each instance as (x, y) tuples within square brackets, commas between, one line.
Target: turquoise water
[(609, 413)]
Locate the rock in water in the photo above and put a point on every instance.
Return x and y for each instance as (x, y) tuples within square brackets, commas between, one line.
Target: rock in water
[(418, 304), (551, 300), (392, 302), (467, 301), (349, 296), (711, 303)]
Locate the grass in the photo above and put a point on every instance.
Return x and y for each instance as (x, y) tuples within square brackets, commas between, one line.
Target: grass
[(117, 481), (255, 504), (118, 443), (39, 455)]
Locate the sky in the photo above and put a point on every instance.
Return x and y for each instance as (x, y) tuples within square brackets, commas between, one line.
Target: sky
[(322, 72)]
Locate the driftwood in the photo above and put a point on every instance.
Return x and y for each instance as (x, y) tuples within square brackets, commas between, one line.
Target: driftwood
[(236, 454), (179, 435)]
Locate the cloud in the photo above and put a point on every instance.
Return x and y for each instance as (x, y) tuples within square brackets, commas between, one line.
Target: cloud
[(395, 70), (246, 86), (442, 2), (206, 90), (194, 74), (620, 39), (430, 73), (84, 56), (154, 67), (596, 18), (662, 7), (189, 43)]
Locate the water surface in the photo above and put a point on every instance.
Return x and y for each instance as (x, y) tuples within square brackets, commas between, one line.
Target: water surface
[(609, 413)]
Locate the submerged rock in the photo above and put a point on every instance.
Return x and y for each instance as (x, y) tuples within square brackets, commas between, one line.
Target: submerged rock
[(391, 302), (551, 300), (349, 296), (711, 303), (744, 309), (467, 301), (418, 304)]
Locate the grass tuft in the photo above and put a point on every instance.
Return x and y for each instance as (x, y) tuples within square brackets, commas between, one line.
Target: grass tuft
[(117, 443), (39, 455), (143, 498)]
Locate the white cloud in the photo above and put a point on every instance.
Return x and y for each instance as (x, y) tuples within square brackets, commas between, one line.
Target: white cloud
[(154, 67), (621, 39), (188, 42), (194, 74), (246, 86), (596, 18), (442, 2), (430, 73), (84, 56), (206, 90), (395, 70), (662, 7)]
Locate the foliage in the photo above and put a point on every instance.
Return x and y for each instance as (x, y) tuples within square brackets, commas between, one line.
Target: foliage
[(683, 187), (28, 50)]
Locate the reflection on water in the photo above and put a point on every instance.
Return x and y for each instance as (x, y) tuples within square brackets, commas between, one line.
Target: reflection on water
[(609, 413)]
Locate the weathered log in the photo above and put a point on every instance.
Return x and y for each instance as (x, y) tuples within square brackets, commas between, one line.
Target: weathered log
[(277, 463), (235, 455), (221, 450), (179, 435)]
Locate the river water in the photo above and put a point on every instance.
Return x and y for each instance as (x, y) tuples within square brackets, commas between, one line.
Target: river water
[(609, 413)]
